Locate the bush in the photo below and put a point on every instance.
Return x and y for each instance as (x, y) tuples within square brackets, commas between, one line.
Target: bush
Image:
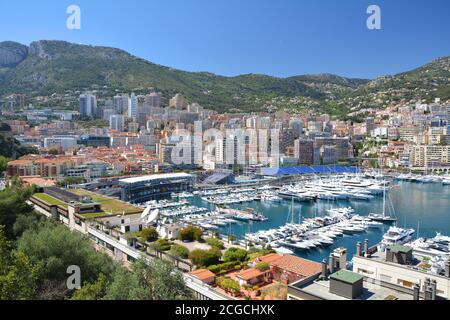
[(161, 245), (179, 251), (190, 234), (262, 266), (204, 258), (148, 234), (229, 285), (215, 243), (223, 267), (235, 254)]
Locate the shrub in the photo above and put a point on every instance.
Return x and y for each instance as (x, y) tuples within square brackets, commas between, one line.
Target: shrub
[(148, 234), (204, 258), (215, 243), (161, 245), (223, 267), (229, 285), (235, 254), (262, 266), (190, 233), (179, 251)]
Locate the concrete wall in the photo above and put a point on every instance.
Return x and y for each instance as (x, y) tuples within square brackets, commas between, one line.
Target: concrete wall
[(398, 275)]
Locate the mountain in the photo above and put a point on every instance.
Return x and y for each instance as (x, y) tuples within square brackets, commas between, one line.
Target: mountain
[(61, 69)]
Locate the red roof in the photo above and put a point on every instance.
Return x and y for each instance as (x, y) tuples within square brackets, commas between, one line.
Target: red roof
[(249, 274), (202, 274), (268, 258), (299, 266)]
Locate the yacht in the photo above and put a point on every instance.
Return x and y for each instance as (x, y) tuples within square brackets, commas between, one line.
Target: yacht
[(377, 217), (397, 236), (283, 250)]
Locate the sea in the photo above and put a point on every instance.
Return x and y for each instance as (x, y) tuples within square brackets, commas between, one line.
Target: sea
[(424, 207)]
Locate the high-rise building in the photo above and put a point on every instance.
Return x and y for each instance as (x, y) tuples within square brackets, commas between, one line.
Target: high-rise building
[(133, 106), (329, 155), (178, 102), (120, 104), (304, 151), (370, 125), (153, 100), (117, 122), (107, 113), (88, 105)]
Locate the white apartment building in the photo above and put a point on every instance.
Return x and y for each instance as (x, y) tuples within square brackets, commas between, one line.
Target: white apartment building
[(117, 122), (430, 155), (133, 106)]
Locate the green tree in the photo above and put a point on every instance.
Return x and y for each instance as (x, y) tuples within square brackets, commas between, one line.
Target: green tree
[(228, 284), (92, 291), (149, 234), (13, 204), (18, 276), (179, 251), (204, 258), (53, 248), (161, 245), (3, 163), (215, 243), (235, 254), (154, 281), (190, 233), (262, 266)]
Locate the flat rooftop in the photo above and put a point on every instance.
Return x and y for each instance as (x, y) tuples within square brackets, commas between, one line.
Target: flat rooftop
[(156, 177), (109, 206), (419, 263), (371, 291), (346, 276)]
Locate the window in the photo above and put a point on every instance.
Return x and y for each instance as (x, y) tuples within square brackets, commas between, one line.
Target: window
[(405, 283), (364, 271), (127, 228)]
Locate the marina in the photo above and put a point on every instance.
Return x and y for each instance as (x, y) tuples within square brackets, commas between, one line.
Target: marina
[(424, 203), (311, 218)]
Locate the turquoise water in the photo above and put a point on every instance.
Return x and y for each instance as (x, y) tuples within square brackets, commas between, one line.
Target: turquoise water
[(426, 205)]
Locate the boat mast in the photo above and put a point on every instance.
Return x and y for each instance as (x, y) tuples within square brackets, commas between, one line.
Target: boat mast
[(300, 215), (292, 211), (384, 199)]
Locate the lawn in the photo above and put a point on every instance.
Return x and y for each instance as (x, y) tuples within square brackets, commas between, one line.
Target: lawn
[(50, 200), (108, 205)]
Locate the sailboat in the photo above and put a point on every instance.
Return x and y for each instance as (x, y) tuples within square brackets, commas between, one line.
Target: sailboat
[(382, 217)]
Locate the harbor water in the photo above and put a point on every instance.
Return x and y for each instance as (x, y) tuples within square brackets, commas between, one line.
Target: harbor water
[(424, 207)]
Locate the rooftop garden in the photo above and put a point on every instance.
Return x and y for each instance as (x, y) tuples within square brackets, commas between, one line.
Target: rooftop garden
[(108, 205), (50, 200)]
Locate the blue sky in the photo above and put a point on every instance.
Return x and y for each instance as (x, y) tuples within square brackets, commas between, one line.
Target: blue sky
[(231, 37)]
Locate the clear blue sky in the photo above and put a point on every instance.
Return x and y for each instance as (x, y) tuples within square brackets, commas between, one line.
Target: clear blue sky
[(230, 37)]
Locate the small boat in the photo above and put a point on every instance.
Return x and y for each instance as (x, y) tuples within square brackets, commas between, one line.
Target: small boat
[(283, 250)]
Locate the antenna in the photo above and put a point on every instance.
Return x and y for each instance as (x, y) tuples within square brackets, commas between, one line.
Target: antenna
[(418, 228)]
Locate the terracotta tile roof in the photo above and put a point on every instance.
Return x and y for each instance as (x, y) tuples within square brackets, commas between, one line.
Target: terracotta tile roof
[(38, 181), (299, 266), (249, 274), (269, 258), (202, 274)]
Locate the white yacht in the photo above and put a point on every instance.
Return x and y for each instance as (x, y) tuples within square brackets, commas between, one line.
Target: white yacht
[(283, 250), (397, 236)]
